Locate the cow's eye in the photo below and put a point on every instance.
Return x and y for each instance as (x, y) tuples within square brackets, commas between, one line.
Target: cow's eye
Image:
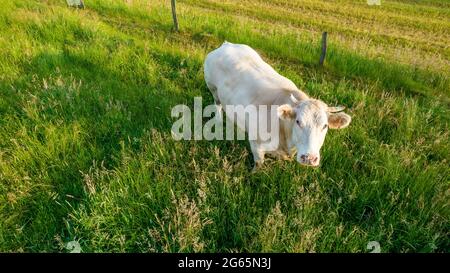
[(325, 127)]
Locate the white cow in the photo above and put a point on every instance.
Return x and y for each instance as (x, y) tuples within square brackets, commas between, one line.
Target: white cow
[(236, 75)]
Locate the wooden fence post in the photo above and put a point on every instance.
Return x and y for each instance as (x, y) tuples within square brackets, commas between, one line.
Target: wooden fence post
[(174, 15)]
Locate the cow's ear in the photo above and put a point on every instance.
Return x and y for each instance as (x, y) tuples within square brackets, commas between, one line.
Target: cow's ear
[(286, 112), (338, 120)]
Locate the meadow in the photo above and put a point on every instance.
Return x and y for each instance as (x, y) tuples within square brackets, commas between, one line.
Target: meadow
[(86, 152)]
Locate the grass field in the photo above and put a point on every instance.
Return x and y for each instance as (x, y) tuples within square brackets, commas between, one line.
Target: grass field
[(86, 151)]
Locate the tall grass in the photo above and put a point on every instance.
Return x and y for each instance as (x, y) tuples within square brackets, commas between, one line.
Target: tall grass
[(86, 152)]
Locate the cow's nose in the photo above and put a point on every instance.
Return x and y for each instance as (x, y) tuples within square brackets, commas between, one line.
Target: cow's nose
[(309, 159), (303, 158)]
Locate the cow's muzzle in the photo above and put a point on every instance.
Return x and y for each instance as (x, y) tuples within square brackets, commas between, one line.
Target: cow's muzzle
[(309, 160)]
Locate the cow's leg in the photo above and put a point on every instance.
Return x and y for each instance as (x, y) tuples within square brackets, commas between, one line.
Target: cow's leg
[(258, 154), (213, 91), (218, 108)]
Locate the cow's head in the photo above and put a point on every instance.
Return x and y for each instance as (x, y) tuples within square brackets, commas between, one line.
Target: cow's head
[(310, 122)]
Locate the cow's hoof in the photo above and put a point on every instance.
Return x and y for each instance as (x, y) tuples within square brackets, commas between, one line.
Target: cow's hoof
[(257, 167)]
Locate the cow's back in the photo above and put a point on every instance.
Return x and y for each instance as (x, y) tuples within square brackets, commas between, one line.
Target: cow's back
[(241, 76)]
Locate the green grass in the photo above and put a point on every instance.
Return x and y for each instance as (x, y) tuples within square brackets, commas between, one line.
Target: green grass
[(86, 151)]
